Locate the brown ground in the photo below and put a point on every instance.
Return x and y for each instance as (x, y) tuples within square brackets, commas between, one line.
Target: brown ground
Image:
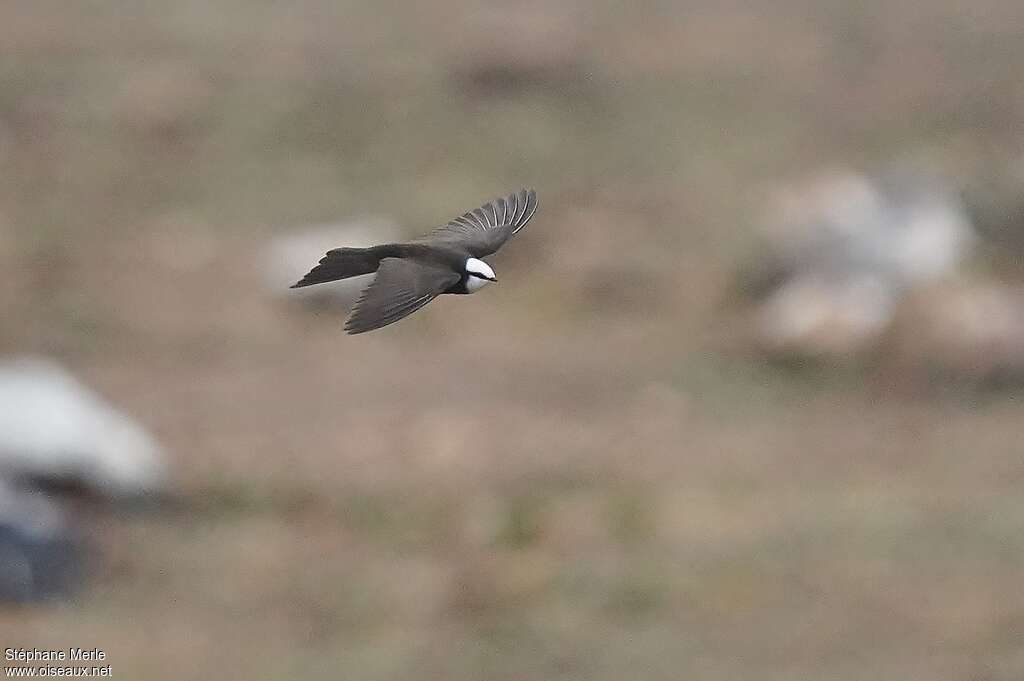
[(572, 475)]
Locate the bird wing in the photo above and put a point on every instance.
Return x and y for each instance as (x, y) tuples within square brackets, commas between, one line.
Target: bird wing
[(400, 288), (483, 231)]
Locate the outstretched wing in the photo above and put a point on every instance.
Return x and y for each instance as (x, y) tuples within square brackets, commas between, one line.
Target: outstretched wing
[(400, 288), (483, 231)]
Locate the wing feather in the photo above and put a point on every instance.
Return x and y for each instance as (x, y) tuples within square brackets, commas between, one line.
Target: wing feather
[(400, 288), (484, 230)]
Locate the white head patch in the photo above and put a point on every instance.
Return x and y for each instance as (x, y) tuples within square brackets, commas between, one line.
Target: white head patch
[(480, 274)]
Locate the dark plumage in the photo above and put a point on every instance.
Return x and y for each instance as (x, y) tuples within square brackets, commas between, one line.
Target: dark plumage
[(411, 274)]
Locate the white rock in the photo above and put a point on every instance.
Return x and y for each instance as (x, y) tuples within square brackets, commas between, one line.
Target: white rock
[(850, 247), (53, 427), (904, 229), (821, 317)]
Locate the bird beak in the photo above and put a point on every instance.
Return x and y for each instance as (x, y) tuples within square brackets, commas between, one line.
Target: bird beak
[(494, 279)]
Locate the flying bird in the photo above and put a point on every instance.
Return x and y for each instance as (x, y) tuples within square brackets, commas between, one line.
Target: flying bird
[(411, 274)]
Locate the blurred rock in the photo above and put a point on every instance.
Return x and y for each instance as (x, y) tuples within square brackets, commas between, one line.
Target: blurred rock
[(819, 317), (842, 252), (965, 332), (517, 46), (165, 99), (292, 254), (55, 431), (900, 228), (40, 558), (995, 200)]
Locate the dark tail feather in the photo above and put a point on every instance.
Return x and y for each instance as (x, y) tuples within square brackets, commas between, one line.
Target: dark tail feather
[(341, 263)]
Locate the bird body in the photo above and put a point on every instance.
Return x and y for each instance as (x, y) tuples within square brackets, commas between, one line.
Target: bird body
[(411, 274)]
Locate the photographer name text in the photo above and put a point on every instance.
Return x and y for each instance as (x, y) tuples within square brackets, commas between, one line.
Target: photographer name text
[(55, 655)]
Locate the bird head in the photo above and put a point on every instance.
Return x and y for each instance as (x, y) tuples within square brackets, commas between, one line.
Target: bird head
[(480, 274)]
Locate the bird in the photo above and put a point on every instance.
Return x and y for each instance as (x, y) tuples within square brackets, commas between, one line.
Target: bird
[(412, 273)]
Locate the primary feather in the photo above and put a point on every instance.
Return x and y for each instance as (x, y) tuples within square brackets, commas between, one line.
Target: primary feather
[(484, 230)]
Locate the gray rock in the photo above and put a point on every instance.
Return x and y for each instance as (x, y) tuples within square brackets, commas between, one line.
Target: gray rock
[(995, 199), (40, 557)]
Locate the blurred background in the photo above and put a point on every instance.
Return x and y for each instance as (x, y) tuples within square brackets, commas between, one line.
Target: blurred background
[(745, 404)]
